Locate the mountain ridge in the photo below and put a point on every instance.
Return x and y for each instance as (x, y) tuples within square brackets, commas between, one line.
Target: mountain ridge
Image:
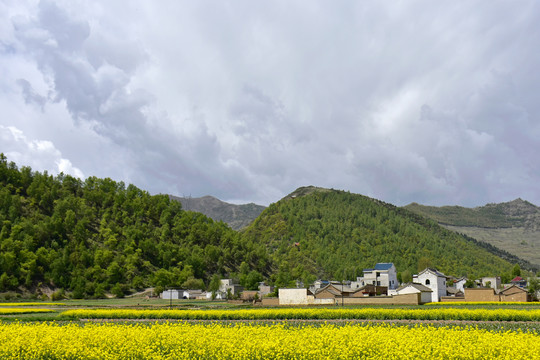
[(512, 226), (236, 216)]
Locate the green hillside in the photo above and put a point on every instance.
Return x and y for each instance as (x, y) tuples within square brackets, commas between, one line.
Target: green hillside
[(512, 226), (335, 234), (101, 236)]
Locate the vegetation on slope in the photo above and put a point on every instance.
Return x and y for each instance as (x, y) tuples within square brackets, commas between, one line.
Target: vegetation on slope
[(335, 234), (98, 236), (512, 226), (517, 213)]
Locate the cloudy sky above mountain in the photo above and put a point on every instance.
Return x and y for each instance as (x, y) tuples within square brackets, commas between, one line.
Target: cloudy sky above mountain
[(433, 102)]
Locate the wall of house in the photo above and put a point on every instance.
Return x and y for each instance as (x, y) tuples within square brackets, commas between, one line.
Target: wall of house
[(293, 297), (436, 284), (386, 278), (325, 294), (494, 282), (425, 296), (514, 294), (168, 294), (522, 297)]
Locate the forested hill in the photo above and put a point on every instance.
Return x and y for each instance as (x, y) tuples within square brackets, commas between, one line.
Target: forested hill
[(512, 226), (334, 234), (100, 236)]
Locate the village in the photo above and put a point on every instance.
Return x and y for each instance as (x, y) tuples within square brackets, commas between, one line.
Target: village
[(377, 286)]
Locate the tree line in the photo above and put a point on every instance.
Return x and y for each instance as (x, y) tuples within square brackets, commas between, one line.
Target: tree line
[(99, 236)]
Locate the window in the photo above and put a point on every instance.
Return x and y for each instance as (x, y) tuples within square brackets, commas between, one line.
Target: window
[(378, 274), (427, 282), (378, 283)]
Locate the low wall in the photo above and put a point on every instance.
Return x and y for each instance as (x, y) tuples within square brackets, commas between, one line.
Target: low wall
[(481, 294), (452, 298), (405, 299), (273, 301), (324, 301)]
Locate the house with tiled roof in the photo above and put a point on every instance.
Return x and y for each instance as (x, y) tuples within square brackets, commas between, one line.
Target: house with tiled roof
[(514, 293), (433, 279), (333, 291), (383, 274), (413, 288), (519, 281)]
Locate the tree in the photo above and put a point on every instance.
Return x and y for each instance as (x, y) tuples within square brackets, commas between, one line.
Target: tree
[(516, 270), (534, 287), (215, 282), (193, 283)]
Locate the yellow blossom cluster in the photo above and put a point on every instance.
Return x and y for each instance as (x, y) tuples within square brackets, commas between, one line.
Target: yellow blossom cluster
[(16, 311), (473, 303), (431, 313), (255, 341), (31, 304)]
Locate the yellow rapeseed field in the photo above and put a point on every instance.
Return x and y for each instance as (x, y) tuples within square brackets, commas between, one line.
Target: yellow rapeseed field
[(15, 311), (252, 341), (31, 304), (476, 303), (430, 313)]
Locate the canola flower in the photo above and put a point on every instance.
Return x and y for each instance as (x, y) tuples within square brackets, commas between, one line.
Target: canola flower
[(31, 304), (16, 311), (251, 341), (433, 313), (474, 303)]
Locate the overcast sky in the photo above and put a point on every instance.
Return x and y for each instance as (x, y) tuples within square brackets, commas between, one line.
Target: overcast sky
[(426, 101)]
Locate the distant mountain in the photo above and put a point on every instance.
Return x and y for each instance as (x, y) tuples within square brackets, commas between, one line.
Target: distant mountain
[(236, 216), (512, 226), (325, 233)]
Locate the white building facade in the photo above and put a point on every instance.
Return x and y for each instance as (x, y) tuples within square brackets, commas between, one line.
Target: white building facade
[(492, 282), (433, 279), (383, 274), (412, 288)]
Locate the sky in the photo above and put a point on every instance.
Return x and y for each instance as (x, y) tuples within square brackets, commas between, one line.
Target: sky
[(404, 101)]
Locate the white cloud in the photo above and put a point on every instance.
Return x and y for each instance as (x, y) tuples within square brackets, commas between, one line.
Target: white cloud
[(40, 155), (414, 101)]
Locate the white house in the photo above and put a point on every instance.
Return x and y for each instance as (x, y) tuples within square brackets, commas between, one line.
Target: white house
[(301, 297), (412, 288), (172, 294), (193, 294), (383, 274), (459, 284), (492, 282), (229, 284), (433, 279)]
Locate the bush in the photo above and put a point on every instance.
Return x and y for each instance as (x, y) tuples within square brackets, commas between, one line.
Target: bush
[(118, 290), (58, 295)]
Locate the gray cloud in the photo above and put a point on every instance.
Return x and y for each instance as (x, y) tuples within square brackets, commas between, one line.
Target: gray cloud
[(419, 101)]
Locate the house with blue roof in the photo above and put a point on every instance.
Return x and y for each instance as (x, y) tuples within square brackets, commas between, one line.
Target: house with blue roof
[(383, 274)]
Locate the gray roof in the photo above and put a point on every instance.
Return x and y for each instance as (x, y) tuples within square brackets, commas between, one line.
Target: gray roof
[(417, 286), (383, 266), (433, 271)]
